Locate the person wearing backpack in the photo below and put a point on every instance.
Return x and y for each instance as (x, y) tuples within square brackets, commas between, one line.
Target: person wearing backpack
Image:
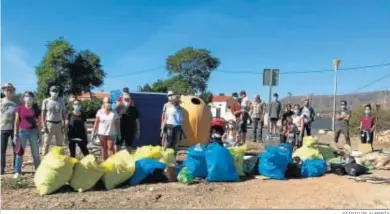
[(308, 115)]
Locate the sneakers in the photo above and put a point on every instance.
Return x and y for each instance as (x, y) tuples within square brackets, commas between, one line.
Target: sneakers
[(17, 176)]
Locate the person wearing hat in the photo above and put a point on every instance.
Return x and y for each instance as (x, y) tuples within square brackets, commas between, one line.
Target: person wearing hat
[(257, 113), (173, 122), (7, 118), (53, 119), (129, 123)]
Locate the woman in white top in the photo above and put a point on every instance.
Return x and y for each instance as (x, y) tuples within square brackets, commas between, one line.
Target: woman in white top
[(298, 120), (106, 127)]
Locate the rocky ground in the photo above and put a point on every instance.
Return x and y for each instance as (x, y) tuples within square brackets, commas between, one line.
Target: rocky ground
[(327, 192)]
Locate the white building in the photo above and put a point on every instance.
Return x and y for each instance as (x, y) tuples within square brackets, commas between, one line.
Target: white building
[(219, 105)]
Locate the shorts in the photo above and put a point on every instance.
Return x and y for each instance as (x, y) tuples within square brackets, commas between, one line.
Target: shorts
[(367, 137), (243, 128), (274, 120)]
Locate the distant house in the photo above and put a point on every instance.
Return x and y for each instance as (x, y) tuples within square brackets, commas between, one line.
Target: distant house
[(93, 95), (219, 105)]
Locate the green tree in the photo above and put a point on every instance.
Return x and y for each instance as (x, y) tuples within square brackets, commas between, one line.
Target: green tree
[(207, 97), (75, 72), (175, 83), (193, 66)]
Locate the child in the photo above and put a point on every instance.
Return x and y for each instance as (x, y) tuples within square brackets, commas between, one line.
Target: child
[(217, 131), (230, 138), (289, 130)]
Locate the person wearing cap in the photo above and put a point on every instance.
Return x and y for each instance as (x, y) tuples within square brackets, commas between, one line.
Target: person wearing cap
[(173, 121), (125, 90), (257, 112), (7, 118), (129, 123), (53, 119)]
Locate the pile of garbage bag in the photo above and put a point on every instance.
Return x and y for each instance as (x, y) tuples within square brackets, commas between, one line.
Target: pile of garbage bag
[(212, 163), (57, 169)]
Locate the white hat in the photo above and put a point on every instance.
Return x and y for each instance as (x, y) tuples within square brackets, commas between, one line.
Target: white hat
[(170, 93)]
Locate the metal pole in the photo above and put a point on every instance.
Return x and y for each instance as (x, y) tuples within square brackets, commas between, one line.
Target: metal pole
[(269, 101), (336, 66)]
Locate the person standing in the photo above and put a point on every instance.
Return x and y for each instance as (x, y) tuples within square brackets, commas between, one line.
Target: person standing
[(106, 127), (244, 99), (7, 118), (53, 119), (26, 129), (77, 131), (168, 104), (287, 113), (235, 107), (173, 123), (245, 119), (342, 123), (129, 124), (274, 113), (367, 125), (309, 116), (299, 123), (257, 112)]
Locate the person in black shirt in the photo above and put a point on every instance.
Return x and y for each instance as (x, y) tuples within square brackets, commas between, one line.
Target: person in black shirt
[(129, 123), (77, 132)]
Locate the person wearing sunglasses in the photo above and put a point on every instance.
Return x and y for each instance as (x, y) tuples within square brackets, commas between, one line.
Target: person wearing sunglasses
[(7, 118), (53, 119)]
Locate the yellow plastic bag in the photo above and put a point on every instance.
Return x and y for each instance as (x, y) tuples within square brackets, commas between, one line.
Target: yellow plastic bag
[(168, 157), (238, 153), (54, 171), (86, 174), (153, 152), (309, 149), (118, 169), (364, 148)]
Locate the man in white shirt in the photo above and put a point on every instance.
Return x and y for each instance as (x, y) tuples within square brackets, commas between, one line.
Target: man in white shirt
[(173, 121), (53, 119), (244, 100)]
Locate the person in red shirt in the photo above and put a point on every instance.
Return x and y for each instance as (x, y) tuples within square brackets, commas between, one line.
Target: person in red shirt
[(235, 107), (367, 125)]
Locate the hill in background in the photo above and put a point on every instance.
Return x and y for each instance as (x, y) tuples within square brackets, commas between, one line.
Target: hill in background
[(325, 102)]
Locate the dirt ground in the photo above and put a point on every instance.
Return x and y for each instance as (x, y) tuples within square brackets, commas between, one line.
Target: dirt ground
[(327, 192)]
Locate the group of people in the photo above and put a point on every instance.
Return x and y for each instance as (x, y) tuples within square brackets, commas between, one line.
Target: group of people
[(296, 121), (26, 123), (117, 126)]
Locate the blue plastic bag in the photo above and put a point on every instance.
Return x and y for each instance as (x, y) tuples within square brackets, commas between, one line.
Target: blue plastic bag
[(196, 161), (274, 162), (220, 164), (143, 168), (313, 168)]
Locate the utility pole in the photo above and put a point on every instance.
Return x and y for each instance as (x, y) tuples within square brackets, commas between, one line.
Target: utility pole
[(336, 64), (270, 79), (289, 97)]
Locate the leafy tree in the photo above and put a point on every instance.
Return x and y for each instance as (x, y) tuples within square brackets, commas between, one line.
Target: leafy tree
[(221, 94), (90, 107), (194, 66), (75, 72), (175, 83), (207, 97)]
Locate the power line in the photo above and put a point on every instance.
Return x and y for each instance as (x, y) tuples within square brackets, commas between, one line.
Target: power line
[(305, 72), (373, 82)]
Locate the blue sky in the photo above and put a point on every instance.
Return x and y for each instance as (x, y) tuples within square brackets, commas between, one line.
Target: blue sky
[(247, 35)]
